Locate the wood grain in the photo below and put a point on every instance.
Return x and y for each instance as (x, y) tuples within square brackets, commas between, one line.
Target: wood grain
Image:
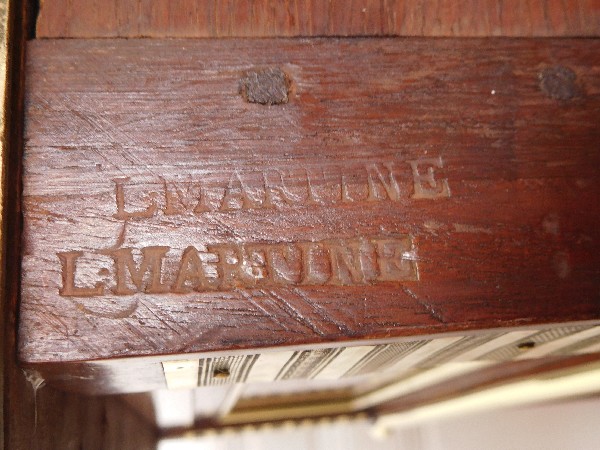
[(268, 18), (68, 421), (457, 155), (40, 418)]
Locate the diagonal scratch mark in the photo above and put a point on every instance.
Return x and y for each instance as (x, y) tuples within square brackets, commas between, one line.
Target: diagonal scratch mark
[(293, 312), (113, 132), (136, 332), (263, 309), (318, 308), (96, 125), (160, 319), (65, 329), (52, 108), (431, 311), (221, 223)]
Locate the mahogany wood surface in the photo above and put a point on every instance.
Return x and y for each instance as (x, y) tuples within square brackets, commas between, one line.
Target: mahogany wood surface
[(406, 187), (34, 415), (270, 18), (52, 420)]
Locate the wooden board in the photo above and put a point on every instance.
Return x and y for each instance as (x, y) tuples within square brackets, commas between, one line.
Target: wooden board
[(64, 420), (269, 18), (400, 187), (33, 415)]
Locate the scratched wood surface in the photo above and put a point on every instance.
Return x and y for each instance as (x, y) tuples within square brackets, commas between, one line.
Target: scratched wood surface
[(268, 18), (392, 188), (34, 415)]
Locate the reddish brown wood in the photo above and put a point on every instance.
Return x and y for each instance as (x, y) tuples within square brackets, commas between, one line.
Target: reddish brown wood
[(269, 18), (34, 415), (51, 419), (504, 232)]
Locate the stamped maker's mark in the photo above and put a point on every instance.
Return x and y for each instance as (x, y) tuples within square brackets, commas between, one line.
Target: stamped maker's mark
[(279, 188), (222, 267), (362, 260)]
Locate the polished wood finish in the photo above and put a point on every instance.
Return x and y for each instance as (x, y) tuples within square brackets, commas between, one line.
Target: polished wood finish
[(404, 187), (271, 18)]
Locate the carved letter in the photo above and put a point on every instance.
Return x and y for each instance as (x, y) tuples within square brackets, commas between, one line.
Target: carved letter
[(236, 196), (346, 267), (227, 264), (426, 185), (183, 197), (171, 199), (203, 204), (121, 213), (190, 269), (377, 181), (152, 258), (316, 265), (280, 259), (278, 193), (69, 266), (312, 187), (393, 264), (344, 186), (254, 268)]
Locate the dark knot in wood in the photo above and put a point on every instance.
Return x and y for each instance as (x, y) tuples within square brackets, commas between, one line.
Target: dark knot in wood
[(269, 86), (558, 82)]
